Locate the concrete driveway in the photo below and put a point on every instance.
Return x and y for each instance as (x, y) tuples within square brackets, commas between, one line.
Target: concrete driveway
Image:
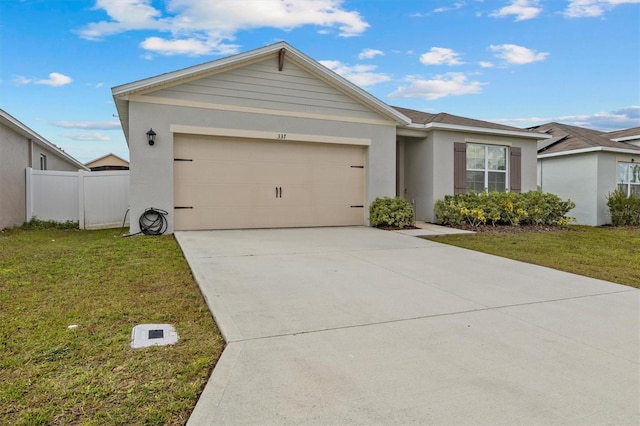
[(362, 326)]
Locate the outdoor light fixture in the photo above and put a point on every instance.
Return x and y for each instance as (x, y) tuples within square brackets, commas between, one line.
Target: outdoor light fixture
[(151, 137)]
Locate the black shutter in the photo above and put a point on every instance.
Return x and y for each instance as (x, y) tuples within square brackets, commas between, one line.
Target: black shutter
[(459, 168)]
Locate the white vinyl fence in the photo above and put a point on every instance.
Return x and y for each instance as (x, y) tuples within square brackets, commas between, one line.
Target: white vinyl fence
[(96, 200)]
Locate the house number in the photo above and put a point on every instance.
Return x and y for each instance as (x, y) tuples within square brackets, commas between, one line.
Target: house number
[(282, 135)]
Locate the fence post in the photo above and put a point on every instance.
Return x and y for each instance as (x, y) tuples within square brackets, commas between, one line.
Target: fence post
[(28, 194), (81, 221)]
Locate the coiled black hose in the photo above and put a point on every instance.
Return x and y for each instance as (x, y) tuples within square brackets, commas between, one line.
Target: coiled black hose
[(153, 221)]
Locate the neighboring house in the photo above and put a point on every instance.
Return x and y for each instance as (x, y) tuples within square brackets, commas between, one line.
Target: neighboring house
[(21, 147), (631, 136), (586, 166), (271, 138), (108, 162)]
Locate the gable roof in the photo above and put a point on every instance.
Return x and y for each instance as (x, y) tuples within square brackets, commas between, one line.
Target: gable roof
[(568, 139), (117, 158), (122, 92), (444, 121), (18, 127)]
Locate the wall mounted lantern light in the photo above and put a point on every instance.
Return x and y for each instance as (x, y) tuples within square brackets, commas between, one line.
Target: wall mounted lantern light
[(151, 137)]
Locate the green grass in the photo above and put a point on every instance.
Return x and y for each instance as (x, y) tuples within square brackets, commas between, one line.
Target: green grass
[(105, 284), (607, 253)]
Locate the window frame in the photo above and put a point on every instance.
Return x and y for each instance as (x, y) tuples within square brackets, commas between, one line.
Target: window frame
[(627, 184), (43, 162), (486, 170)]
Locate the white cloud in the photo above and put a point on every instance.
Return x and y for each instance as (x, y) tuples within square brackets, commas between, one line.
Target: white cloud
[(486, 64), (456, 5), (20, 80), (593, 8), (449, 84), (191, 47), (519, 55), (370, 53), (360, 75), (439, 56), (88, 125), (522, 9), (125, 15), (200, 27), (622, 118), (55, 79), (89, 136)]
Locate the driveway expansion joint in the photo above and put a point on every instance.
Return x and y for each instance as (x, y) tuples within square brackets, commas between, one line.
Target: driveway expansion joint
[(421, 317)]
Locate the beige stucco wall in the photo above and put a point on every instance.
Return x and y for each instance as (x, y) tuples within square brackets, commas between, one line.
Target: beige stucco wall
[(14, 157), (54, 160), (152, 166), (428, 166)]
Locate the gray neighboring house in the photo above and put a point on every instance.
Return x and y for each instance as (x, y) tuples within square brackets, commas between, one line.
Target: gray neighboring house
[(630, 136), (21, 147), (586, 165), (272, 138)]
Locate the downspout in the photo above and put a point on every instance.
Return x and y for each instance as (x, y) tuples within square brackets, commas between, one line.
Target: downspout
[(541, 169), (30, 153)]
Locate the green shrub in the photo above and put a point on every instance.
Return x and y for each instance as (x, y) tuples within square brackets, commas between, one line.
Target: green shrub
[(624, 210), (38, 224), (387, 211), (503, 208)]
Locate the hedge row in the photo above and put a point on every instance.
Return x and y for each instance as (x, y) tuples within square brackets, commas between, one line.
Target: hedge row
[(503, 208), (624, 210)]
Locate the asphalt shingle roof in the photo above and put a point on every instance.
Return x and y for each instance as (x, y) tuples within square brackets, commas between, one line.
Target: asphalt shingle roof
[(570, 138), (634, 131), (419, 117)]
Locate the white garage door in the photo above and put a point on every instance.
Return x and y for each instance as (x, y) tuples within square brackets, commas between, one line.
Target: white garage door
[(232, 183)]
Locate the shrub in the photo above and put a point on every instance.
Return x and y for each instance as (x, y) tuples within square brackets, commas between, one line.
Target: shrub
[(38, 224), (503, 208), (387, 211), (624, 210)]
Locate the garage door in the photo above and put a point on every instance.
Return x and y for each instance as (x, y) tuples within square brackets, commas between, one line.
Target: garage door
[(232, 183)]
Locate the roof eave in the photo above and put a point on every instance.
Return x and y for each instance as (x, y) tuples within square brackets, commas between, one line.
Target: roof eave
[(590, 150), (474, 129), (626, 138)]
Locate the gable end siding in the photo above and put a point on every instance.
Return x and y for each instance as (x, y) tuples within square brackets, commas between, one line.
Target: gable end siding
[(261, 85)]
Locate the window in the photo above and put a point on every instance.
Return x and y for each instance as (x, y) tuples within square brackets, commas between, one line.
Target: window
[(43, 162), (629, 178), (486, 168)]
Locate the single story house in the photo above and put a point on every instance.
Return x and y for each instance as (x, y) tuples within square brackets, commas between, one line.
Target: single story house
[(108, 162), (586, 165), (272, 138), (21, 147)]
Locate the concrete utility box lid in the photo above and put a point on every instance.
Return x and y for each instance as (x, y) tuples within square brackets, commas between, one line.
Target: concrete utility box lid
[(145, 335)]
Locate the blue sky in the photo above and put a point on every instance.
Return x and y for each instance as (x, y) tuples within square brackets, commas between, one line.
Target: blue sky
[(517, 62)]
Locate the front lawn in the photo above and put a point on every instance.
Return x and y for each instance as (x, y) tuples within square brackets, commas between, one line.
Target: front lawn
[(104, 284), (607, 253)]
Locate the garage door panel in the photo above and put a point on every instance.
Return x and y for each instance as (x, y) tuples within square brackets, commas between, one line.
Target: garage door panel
[(240, 183)]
